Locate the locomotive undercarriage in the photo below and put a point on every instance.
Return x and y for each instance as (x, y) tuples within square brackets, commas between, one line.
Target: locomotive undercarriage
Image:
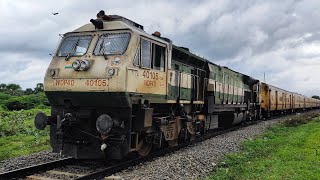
[(74, 132), (136, 129)]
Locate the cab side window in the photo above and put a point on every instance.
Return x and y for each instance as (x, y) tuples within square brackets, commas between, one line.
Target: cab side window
[(152, 56), (136, 61), (158, 57), (145, 53)]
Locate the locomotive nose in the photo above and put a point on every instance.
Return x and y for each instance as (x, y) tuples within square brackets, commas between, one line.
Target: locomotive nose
[(41, 121)]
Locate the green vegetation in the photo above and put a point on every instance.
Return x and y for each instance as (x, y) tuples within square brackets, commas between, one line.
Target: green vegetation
[(18, 136), (17, 145), (287, 151), (15, 89), (300, 119)]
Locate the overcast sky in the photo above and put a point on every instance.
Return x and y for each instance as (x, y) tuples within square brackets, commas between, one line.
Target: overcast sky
[(278, 38)]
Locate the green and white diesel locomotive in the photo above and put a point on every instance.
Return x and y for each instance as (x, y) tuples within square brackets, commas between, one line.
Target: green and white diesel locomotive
[(115, 90)]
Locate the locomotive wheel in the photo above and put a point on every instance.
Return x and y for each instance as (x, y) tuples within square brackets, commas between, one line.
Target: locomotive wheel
[(144, 148)]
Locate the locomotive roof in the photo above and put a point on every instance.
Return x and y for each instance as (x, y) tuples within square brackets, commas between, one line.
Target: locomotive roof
[(125, 20), (119, 23), (186, 51), (126, 23), (182, 49)]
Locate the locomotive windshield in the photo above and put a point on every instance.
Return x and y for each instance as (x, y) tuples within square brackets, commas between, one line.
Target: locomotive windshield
[(112, 43), (74, 46)]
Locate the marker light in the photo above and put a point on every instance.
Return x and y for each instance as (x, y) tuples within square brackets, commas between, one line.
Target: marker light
[(111, 71), (52, 72)]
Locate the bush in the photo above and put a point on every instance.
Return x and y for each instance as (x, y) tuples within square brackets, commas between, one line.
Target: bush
[(301, 119), (16, 103), (4, 97), (19, 122)]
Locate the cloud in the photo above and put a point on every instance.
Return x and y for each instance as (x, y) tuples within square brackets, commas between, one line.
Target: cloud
[(22, 69), (293, 66), (278, 38)]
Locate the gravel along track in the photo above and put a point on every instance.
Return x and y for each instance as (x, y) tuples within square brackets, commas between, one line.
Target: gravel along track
[(28, 160), (196, 161), (193, 162)]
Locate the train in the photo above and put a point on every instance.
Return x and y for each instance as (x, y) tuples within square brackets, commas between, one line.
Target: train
[(117, 91)]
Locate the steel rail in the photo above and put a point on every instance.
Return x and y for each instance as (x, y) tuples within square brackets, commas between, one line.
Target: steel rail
[(23, 172)]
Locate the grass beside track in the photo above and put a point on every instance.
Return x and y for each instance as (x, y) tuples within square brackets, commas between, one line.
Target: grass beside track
[(18, 136), (287, 151), (18, 145)]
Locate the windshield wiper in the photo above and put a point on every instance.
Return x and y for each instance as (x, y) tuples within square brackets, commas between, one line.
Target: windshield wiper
[(73, 50), (103, 48)]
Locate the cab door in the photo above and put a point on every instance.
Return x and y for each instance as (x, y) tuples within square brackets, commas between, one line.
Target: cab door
[(150, 75)]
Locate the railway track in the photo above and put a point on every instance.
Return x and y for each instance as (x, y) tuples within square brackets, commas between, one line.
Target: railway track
[(108, 171), (23, 172), (70, 168)]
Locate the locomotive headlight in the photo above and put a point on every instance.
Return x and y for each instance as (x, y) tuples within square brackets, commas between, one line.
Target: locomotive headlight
[(76, 65), (111, 71), (84, 65), (104, 124)]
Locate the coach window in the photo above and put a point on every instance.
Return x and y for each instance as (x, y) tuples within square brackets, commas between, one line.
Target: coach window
[(146, 53)]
